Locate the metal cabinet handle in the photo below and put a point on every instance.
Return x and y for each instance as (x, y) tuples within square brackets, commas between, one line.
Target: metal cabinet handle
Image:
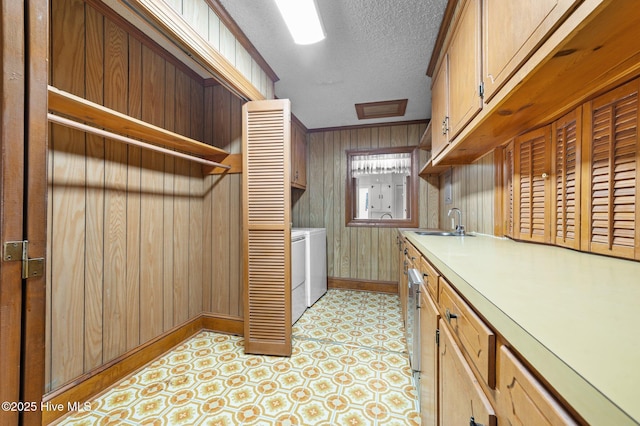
[(450, 315)]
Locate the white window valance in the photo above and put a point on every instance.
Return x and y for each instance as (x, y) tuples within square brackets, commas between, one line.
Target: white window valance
[(380, 164)]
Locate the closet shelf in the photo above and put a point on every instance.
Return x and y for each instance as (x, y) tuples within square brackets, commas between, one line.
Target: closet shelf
[(79, 109)]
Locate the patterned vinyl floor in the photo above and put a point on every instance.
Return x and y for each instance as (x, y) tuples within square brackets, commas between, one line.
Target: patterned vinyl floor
[(349, 367)]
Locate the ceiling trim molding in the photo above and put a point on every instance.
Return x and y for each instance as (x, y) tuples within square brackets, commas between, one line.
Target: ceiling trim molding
[(242, 38), (367, 126)]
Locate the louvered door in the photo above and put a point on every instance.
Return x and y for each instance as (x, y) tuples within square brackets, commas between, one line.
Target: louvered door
[(531, 186), (508, 189), (266, 190), (565, 212), (613, 151)]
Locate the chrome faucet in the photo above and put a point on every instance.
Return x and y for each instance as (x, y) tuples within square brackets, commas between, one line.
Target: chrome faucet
[(459, 227), (390, 217)]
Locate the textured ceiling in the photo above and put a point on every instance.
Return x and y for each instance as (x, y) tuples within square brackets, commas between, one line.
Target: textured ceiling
[(375, 50)]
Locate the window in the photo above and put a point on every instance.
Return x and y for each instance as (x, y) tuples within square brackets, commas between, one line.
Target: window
[(382, 187)]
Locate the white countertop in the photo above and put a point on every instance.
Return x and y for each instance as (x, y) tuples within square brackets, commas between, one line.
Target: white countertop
[(574, 316)]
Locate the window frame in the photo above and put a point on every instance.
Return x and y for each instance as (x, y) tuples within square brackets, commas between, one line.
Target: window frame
[(413, 220)]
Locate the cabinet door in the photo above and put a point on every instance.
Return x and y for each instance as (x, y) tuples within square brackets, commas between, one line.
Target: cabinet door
[(511, 32), (523, 400), (460, 394), (613, 152), (298, 156), (464, 69), (566, 134), (429, 318), (532, 210), (440, 107)]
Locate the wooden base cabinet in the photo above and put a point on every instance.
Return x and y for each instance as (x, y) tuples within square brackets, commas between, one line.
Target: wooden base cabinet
[(429, 318), (469, 375), (523, 400), (462, 400)]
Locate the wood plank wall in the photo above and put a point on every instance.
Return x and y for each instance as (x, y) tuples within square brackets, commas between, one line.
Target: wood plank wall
[(133, 247), (473, 190), (223, 208), (355, 252)]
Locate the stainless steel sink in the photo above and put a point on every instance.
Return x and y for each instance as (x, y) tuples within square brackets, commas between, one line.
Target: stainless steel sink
[(440, 233)]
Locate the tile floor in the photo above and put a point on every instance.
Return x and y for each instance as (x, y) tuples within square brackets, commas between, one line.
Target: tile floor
[(349, 367)]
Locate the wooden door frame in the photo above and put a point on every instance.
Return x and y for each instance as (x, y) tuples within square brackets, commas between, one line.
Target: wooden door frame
[(23, 189)]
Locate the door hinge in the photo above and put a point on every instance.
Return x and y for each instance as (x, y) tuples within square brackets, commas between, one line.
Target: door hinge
[(481, 90), (437, 337), (19, 251)]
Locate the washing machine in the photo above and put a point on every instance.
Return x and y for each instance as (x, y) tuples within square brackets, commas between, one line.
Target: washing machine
[(298, 275), (315, 263)]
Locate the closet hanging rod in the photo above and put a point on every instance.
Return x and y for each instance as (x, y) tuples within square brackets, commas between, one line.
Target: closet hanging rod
[(104, 133)]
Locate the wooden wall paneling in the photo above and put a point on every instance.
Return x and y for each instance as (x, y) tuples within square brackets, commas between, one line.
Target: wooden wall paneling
[(386, 236), (168, 200), (196, 188), (334, 245), (151, 206), (344, 269), (221, 232), (214, 30), (133, 200), (181, 205), (196, 13), (363, 259), (94, 222), (115, 198), (68, 207), (373, 231), (473, 187), (328, 191), (314, 187), (207, 213), (235, 214), (488, 192), (228, 46)]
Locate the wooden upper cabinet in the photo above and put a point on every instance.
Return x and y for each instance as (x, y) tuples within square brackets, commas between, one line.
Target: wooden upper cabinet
[(464, 68), (523, 400), (460, 394), (532, 186), (511, 33), (611, 187), (298, 155), (440, 107), (566, 134)]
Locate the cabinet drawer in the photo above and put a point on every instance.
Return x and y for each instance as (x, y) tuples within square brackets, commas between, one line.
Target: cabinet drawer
[(413, 256), (430, 276), (461, 396), (523, 400), (476, 340)]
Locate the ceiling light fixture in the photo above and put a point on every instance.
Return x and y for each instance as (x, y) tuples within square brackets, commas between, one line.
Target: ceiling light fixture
[(302, 19)]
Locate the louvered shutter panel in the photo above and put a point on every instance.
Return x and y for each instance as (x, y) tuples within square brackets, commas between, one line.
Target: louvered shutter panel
[(531, 195), (614, 173), (508, 185), (565, 223), (267, 230)]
